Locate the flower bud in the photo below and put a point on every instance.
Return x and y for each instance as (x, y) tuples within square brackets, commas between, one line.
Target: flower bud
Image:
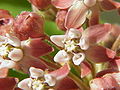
[(29, 24), (40, 4), (6, 22)]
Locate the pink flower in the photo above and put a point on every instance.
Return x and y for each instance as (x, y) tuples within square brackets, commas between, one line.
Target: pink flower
[(29, 24), (40, 4), (80, 10), (40, 79), (22, 54), (77, 45)]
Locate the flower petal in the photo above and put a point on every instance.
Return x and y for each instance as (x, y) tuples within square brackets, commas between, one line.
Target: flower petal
[(62, 57), (36, 47), (61, 72), (35, 72), (24, 84), (99, 54), (76, 15), (90, 3), (66, 84), (29, 61), (4, 72), (85, 69), (78, 58), (7, 64), (96, 33), (57, 39), (8, 83), (109, 4), (62, 4)]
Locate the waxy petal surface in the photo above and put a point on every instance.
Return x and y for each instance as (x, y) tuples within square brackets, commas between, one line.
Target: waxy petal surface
[(99, 54), (62, 4)]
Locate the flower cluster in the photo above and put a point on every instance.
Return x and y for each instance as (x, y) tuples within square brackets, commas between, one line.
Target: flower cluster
[(88, 54)]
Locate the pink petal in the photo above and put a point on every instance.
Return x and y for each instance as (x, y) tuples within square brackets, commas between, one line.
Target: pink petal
[(116, 76), (4, 14), (109, 4), (8, 83), (94, 19), (115, 64), (3, 72), (61, 72), (36, 47), (62, 4), (76, 15), (99, 54), (85, 69), (97, 33), (29, 61), (60, 19), (66, 84)]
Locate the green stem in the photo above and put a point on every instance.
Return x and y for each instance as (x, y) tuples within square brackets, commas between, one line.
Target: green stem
[(79, 82)]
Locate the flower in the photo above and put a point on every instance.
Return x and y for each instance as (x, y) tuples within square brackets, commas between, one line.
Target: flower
[(40, 4), (6, 22), (29, 24), (77, 11), (40, 80), (22, 54), (78, 45)]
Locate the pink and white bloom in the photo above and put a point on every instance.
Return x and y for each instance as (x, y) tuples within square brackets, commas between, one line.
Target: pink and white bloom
[(73, 13), (40, 80), (22, 54), (78, 45)]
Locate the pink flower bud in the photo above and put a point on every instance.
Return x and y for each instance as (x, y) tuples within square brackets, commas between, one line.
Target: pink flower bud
[(29, 24), (40, 4)]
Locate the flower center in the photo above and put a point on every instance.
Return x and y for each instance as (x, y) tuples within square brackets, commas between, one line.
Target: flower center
[(36, 84)]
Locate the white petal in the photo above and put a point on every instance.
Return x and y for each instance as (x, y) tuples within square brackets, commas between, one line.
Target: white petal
[(3, 40), (78, 58), (24, 84), (13, 40), (74, 33), (62, 57), (84, 44), (50, 79), (7, 64), (35, 72), (90, 3), (57, 39), (16, 54)]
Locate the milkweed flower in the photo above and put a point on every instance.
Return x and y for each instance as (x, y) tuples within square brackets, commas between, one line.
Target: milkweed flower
[(77, 11), (22, 54), (40, 80), (78, 45)]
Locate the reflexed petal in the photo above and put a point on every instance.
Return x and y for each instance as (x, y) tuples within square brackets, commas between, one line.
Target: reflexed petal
[(4, 14), (62, 57), (29, 61), (24, 84), (61, 72), (57, 39), (60, 19), (76, 15), (13, 40), (99, 54), (74, 33), (35, 72), (116, 76), (96, 33), (90, 3), (78, 58), (66, 84), (109, 4), (7, 64), (62, 4), (16, 54), (85, 69), (36, 47), (8, 83)]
